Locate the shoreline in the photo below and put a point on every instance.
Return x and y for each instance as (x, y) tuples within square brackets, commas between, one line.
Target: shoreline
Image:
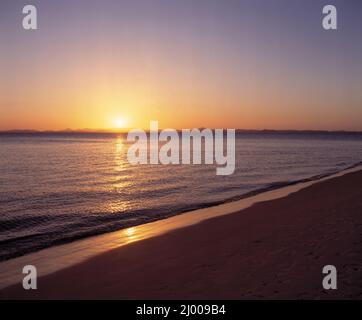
[(74, 252), (192, 208), (216, 216)]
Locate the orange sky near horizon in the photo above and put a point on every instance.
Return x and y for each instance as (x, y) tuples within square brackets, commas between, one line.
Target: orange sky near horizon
[(78, 97)]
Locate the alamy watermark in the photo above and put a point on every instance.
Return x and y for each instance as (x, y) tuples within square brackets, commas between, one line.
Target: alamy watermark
[(30, 20), (329, 20), (30, 280), (188, 146), (330, 280)]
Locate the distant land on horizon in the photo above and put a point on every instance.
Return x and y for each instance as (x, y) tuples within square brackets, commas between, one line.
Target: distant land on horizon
[(124, 131)]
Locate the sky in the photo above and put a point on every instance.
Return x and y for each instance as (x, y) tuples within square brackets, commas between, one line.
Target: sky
[(250, 64)]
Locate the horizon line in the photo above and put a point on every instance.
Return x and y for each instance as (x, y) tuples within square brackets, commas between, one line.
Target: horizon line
[(123, 131)]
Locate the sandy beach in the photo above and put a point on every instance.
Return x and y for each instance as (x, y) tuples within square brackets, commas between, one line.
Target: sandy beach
[(274, 249)]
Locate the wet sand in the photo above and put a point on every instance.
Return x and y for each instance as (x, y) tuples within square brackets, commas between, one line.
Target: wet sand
[(274, 249)]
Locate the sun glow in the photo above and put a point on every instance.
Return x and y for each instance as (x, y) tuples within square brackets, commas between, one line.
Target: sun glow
[(119, 123)]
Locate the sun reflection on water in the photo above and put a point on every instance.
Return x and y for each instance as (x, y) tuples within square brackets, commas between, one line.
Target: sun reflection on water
[(119, 156)]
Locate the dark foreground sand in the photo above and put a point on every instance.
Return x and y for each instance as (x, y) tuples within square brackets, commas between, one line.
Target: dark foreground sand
[(275, 249)]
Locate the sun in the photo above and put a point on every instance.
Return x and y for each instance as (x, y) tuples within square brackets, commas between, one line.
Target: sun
[(119, 123)]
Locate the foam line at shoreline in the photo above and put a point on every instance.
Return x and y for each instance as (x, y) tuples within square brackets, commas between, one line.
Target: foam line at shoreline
[(58, 257)]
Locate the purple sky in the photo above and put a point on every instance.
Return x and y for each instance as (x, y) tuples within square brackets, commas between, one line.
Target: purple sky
[(232, 63)]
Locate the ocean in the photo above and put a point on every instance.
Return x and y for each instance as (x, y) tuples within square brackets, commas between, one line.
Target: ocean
[(59, 187)]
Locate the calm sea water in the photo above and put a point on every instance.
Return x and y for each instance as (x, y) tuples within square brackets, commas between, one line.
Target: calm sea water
[(56, 188)]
